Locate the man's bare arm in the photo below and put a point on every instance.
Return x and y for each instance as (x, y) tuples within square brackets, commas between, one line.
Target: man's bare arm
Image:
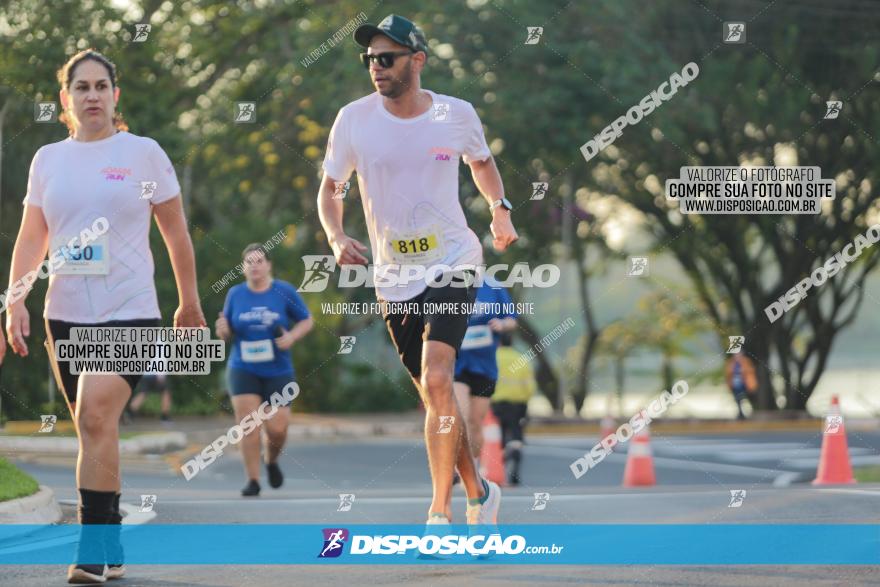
[(488, 181), (346, 249)]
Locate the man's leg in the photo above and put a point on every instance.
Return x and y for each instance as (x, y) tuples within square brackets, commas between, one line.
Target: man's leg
[(477, 413), (449, 448), (462, 397)]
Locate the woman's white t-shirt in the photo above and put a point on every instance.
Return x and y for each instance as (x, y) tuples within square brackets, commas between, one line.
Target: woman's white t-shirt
[(118, 178)]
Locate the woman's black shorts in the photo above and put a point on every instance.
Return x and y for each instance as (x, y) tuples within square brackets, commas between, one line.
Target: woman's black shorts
[(60, 330)]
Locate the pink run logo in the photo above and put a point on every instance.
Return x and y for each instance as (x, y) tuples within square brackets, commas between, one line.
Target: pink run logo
[(442, 154), (115, 173)]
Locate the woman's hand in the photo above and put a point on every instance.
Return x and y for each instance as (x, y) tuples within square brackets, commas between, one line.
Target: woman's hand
[(286, 340), (221, 326), (18, 327)]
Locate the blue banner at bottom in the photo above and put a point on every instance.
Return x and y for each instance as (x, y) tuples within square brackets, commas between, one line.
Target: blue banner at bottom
[(612, 544)]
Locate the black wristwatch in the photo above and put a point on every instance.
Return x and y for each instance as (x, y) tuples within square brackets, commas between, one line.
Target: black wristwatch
[(504, 202)]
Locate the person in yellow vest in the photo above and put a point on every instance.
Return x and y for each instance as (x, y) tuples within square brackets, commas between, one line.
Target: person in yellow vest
[(516, 385)]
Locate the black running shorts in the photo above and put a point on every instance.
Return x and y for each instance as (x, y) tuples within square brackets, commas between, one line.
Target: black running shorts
[(479, 385), (438, 313)]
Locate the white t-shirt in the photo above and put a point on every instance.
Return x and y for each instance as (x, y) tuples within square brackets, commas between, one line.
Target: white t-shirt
[(408, 179), (77, 182)]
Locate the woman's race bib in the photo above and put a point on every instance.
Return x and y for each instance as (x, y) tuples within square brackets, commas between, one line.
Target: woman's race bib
[(92, 259), (257, 351)]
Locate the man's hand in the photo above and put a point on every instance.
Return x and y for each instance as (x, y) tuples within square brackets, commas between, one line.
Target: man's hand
[(348, 251), (189, 316), (503, 232)]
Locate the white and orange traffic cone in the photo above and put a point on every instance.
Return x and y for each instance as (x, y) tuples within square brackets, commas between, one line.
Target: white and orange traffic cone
[(492, 455), (834, 466), (639, 471)]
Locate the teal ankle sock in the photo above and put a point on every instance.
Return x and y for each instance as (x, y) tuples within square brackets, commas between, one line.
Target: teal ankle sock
[(480, 500)]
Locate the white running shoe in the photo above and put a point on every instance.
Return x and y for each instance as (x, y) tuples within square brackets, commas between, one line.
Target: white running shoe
[(434, 520), (487, 512)]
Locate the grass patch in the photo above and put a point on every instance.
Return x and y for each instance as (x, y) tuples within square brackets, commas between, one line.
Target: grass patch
[(15, 483), (867, 474)]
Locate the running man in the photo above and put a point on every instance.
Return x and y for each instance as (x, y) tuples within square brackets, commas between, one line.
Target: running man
[(98, 173), (258, 315), (405, 143)]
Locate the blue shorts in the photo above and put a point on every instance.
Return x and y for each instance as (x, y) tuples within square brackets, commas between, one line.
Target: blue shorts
[(241, 382)]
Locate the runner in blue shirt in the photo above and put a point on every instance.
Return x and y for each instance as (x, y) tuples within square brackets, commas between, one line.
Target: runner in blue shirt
[(264, 317), (476, 369)]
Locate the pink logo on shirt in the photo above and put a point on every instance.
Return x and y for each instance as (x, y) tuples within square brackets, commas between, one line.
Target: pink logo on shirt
[(442, 153), (115, 173)]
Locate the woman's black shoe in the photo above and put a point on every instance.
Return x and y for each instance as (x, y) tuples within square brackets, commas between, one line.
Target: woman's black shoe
[(252, 489), (276, 477)]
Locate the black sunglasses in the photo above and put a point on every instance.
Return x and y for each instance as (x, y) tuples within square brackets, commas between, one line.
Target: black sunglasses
[(385, 60)]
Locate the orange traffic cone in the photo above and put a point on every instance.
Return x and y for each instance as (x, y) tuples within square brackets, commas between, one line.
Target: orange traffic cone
[(834, 466), (492, 455), (639, 469)]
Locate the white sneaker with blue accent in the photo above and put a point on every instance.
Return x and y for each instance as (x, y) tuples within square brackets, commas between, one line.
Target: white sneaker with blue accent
[(485, 513)]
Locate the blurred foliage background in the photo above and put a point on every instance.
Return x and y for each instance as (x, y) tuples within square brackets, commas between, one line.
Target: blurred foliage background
[(761, 103)]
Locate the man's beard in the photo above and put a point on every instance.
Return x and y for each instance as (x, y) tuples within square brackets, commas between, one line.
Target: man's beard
[(398, 85)]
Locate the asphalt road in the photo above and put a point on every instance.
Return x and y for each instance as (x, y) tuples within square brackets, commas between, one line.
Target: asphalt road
[(389, 479)]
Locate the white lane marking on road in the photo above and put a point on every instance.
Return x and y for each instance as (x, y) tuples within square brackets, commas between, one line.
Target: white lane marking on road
[(790, 456), (785, 479), (670, 463), (857, 460), (133, 515), (846, 490)]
